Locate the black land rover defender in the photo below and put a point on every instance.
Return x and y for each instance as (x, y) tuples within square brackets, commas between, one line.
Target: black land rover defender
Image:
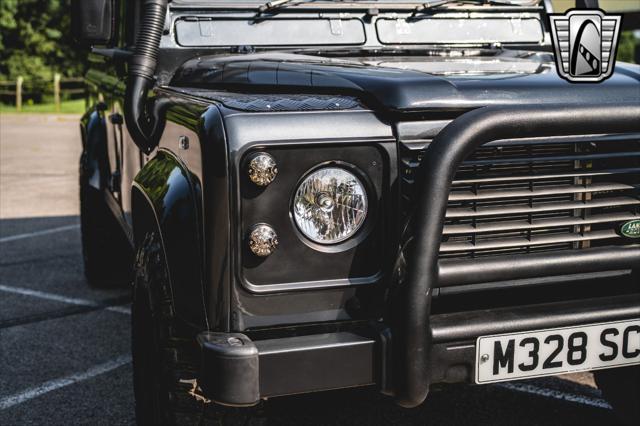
[(315, 195)]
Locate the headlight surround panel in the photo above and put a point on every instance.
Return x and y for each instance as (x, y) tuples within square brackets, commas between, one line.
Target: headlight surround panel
[(299, 261)]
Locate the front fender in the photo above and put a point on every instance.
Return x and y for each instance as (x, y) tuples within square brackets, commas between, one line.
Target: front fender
[(94, 163), (165, 198)]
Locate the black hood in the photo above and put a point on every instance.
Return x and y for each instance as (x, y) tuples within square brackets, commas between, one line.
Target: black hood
[(411, 83)]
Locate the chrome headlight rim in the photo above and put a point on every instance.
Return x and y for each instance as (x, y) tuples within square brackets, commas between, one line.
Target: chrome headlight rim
[(363, 230)]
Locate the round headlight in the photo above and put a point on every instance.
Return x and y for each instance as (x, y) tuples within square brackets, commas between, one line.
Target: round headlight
[(330, 205)]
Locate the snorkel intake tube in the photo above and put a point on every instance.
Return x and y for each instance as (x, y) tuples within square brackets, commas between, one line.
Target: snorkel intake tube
[(144, 117)]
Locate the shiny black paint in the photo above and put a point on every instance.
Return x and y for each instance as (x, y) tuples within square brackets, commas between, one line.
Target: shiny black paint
[(387, 88), (165, 183), (94, 163), (216, 232)]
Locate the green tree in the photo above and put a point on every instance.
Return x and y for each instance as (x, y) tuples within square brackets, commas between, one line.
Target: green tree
[(36, 42), (627, 47)]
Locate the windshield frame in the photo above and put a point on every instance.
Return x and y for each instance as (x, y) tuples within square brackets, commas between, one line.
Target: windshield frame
[(387, 5)]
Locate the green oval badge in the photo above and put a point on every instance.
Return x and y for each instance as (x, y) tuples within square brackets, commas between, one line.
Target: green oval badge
[(631, 229)]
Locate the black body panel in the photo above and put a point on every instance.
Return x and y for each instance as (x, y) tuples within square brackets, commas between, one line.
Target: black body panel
[(306, 134), (165, 184), (94, 164), (357, 261), (409, 84)]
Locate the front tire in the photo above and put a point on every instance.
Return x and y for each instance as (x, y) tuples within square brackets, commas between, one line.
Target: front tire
[(106, 252), (621, 387), (165, 364)]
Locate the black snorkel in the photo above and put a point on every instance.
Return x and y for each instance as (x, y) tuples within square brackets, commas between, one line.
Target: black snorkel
[(144, 117)]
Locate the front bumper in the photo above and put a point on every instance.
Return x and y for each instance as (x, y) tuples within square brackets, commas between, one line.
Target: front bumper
[(240, 372)]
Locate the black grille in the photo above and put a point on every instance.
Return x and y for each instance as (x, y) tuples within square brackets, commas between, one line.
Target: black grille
[(530, 195)]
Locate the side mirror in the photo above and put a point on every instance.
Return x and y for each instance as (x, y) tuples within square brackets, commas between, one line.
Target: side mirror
[(93, 22)]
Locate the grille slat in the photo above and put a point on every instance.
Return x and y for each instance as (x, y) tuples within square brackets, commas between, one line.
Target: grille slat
[(540, 194), (551, 159), (538, 224), (502, 210), (551, 190), (576, 174), (515, 242)]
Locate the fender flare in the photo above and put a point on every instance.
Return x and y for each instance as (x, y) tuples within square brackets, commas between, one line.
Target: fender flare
[(94, 162), (165, 199)]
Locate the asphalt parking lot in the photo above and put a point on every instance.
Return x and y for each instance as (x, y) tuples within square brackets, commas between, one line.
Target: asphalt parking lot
[(64, 347)]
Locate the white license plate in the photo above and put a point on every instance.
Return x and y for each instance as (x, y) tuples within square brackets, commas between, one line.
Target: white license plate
[(556, 351)]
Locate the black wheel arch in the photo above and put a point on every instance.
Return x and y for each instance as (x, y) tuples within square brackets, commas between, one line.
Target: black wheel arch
[(94, 163), (166, 200)]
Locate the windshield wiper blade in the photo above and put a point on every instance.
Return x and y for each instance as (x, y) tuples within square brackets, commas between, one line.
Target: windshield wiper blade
[(436, 4), (274, 5)]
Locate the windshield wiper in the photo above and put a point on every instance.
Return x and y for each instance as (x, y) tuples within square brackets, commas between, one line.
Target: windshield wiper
[(436, 4), (274, 5)]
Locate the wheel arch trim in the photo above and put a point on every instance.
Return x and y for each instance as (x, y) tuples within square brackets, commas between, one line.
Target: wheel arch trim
[(94, 164), (175, 215)]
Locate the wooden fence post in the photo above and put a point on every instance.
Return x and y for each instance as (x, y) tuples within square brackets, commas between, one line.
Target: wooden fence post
[(19, 93), (56, 91)]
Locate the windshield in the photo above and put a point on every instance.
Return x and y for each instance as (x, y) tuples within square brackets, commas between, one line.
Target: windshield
[(260, 24)]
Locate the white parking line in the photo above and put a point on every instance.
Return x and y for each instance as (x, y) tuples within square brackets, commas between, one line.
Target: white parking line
[(556, 394), (62, 299), (38, 233), (51, 385)]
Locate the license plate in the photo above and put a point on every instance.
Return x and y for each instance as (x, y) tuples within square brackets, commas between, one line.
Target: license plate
[(539, 353)]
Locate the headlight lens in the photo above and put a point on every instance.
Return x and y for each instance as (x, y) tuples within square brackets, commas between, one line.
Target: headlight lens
[(330, 205)]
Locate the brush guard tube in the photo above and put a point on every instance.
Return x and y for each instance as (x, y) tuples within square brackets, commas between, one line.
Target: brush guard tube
[(412, 336)]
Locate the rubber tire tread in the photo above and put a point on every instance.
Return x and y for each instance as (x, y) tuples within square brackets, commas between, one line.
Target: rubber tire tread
[(177, 356), (621, 388), (106, 252)]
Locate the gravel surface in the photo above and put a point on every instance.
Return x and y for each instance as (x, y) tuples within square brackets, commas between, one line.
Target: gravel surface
[(64, 347)]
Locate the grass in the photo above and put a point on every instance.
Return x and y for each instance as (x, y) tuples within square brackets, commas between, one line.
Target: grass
[(66, 107)]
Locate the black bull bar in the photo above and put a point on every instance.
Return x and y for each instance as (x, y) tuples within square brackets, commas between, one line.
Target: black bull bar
[(412, 334)]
